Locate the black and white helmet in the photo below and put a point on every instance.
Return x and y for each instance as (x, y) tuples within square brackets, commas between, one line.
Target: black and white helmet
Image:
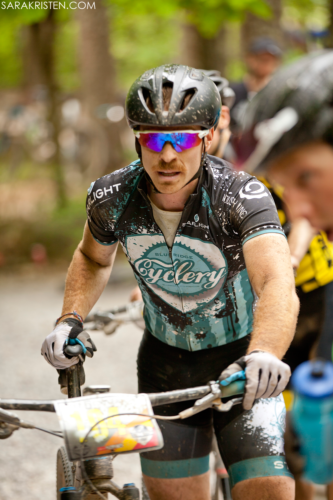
[(227, 94), (202, 109), (296, 107)]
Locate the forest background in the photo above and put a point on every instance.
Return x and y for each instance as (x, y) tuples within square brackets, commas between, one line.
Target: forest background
[(64, 74)]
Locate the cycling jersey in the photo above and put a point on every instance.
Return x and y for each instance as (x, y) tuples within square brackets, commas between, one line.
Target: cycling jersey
[(316, 267), (197, 293)]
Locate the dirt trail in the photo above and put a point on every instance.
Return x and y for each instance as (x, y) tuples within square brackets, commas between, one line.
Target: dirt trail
[(28, 308)]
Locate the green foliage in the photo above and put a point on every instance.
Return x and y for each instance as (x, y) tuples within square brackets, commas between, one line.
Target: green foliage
[(12, 20), (20, 12), (142, 42), (235, 70), (207, 15), (210, 15), (307, 13), (10, 60)]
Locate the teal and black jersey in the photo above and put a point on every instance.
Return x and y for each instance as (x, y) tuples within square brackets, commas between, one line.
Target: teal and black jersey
[(197, 293)]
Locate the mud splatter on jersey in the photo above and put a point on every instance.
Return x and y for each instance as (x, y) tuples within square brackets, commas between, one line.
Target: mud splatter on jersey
[(197, 293)]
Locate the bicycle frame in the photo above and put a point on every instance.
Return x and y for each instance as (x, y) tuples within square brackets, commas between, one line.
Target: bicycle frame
[(97, 473)]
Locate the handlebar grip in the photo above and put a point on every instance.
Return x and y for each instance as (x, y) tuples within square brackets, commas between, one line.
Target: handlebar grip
[(73, 350), (234, 388)]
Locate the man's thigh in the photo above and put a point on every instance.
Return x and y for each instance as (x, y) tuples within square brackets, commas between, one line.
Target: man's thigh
[(185, 454), (265, 488), (251, 442), (191, 488)]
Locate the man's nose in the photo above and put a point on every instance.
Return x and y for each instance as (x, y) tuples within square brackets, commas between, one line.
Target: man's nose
[(168, 154)]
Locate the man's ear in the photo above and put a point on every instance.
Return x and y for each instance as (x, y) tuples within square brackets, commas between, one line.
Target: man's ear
[(209, 138), (224, 121)]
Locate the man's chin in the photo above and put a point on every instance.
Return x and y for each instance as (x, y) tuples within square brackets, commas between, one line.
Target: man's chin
[(169, 186), (168, 189)]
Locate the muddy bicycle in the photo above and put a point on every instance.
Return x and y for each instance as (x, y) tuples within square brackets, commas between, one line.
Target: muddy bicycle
[(99, 425), (108, 322)]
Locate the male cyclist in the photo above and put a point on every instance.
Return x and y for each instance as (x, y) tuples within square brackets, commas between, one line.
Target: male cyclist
[(203, 242), (262, 59)]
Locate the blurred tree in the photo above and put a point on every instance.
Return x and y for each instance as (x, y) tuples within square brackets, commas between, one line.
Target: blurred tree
[(99, 88), (202, 25), (330, 42), (142, 41), (10, 62), (38, 65), (202, 52), (256, 26), (40, 71)]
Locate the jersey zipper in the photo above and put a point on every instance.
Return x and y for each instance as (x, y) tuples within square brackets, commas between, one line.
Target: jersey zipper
[(169, 248)]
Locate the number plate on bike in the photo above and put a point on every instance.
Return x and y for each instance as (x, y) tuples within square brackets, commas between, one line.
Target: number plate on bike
[(88, 435)]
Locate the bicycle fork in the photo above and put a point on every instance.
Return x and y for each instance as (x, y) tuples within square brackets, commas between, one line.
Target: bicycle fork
[(98, 472)]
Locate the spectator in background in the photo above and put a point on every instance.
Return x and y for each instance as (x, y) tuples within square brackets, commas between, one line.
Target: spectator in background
[(262, 59)]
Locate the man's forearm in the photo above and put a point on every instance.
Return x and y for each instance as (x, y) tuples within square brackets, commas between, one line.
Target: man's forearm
[(85, 283), (299, 240), (275, 318)]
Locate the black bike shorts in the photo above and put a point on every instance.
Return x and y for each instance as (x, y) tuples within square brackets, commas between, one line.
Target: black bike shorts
[(250, 442)]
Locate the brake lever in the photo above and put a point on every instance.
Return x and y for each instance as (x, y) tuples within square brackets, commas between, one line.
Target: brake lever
[(228, 405), (213, 399)]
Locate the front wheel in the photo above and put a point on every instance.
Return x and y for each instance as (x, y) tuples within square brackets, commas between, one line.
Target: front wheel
[(64, 471)]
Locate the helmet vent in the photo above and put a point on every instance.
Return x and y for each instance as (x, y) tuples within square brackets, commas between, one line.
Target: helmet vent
[(147, 99), (187, 99), (167, 89)]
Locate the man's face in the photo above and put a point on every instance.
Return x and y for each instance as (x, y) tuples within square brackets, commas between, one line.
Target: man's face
[(262, 65), (169, 170), (223, 125), (307, 177)]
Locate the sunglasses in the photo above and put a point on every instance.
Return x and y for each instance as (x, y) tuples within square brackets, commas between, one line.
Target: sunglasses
[(180, 141)]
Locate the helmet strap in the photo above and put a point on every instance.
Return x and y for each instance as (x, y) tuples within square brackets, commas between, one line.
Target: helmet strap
[(203, 158), (216, 150)]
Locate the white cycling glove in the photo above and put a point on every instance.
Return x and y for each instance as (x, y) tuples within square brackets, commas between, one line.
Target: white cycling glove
[(266, 376), (54, 344)]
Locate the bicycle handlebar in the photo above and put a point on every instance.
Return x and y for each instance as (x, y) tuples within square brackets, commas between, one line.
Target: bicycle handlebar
[(156, 398), (73, 350)]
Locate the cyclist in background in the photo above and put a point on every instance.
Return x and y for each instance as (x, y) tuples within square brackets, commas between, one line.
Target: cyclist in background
[(262, 59), (312, 260), (288, 137), (192, 229)]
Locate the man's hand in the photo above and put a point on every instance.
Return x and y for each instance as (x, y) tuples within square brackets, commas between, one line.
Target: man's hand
[(67, 332), (135, 294), (266, 376)]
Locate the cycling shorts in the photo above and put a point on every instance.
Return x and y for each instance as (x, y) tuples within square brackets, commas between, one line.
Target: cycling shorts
[(250, 442)]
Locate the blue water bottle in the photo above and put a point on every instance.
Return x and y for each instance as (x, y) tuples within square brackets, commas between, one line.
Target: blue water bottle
[(312, 418)]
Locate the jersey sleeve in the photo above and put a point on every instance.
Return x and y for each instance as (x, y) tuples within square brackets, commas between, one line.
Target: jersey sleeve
[(107, 199), (100, 223), (253, 211)]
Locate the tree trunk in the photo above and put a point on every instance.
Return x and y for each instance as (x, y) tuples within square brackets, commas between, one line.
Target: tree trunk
[(204, 53), (39, 70), (99, 88), (255, 27)]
